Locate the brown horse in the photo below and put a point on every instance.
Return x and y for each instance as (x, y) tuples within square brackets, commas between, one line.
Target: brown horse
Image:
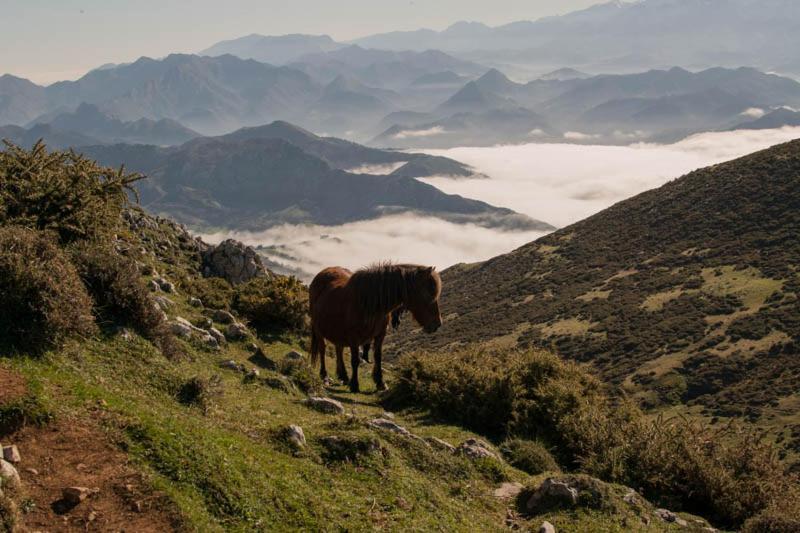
[(351, 309)]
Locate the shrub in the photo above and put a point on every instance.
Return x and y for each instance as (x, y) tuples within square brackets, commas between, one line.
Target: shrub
[(728, 475), (215, 293), (43, 299), (200, 392), (273, 302), (61, 191), (120, 296), (302, 375), (529, 456)]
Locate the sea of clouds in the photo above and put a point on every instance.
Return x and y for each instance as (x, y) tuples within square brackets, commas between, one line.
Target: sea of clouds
[(556, 183)]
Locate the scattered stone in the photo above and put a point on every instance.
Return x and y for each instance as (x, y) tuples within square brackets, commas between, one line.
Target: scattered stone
[(387, 414), (217, 334), (631, 498), (163, 302), (205, 323), (11, 454), (547, 527), (234, 262), (388, 425), (209, 340), (75, 495), (259, 358), (9, 477), (153, 285), (295, 436), (252, 375), (181, 330), (166, 286), (32, 471), (476, 449), (508, 490), (670, 517), (440, 444), (195, 302), (325, 405), (232, 365), (223, 317), (553, 491), (146, 269), (294, 355), (125, 334), (237, 331)]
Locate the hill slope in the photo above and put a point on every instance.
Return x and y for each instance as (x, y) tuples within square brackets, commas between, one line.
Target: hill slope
[(687, 294), (259, 177)]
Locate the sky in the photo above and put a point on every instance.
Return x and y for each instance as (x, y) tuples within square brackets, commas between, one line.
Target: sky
[(51, 40), (557, 183)]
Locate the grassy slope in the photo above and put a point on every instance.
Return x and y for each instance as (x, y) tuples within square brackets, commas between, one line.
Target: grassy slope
[(686, 295), (227, 470)]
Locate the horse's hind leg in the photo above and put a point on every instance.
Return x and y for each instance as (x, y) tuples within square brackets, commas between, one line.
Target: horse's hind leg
[(341, 371), (365, 353), (377, 370), (355, 359)]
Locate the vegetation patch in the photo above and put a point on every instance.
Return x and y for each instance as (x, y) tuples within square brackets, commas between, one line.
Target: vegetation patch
[(273, 303), (44, 301)]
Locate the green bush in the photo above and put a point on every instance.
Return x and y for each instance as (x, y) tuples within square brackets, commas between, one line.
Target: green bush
[(43, 299), (61, 191), (215, 293), (529, 456), (120, 296), (729, 475), (273, 302)]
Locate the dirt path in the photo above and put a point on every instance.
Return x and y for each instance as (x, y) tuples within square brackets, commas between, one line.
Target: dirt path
[(78, 453)]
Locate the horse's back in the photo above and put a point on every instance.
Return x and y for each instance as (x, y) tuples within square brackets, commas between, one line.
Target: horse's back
[(327, 279)]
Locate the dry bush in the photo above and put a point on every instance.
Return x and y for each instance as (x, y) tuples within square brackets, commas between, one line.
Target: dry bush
[(61, 191), (728, 476), (43, 299), (273, 303), (120, 296)]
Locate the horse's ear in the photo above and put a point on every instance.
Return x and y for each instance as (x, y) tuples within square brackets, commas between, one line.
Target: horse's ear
[(430, 270)]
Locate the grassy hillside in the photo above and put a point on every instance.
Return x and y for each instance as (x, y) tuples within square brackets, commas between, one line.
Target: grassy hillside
[(686, 295), (166, 428)]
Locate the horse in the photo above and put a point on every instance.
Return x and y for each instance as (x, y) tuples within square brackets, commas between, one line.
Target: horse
[(351, 309), (396, 314)]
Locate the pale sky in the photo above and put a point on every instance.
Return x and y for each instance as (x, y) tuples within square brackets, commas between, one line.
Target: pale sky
[(50, 40)]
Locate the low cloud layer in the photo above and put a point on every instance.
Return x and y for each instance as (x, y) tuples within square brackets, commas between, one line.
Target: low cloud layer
[(564, 183), (406, 238), (557, 183)]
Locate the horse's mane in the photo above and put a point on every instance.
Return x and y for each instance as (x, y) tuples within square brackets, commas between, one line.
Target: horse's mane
[(382, 285)]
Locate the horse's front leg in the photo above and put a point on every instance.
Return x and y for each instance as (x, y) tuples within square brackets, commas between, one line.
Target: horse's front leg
[(355, 359), (377, 371), (341, 370)]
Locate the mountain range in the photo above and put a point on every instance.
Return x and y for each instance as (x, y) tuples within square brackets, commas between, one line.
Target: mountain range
[(687, 295), (625, 36), (256, 178)]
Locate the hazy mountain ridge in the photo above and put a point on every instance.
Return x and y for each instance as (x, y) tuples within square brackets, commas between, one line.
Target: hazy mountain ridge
[(256, 178), (686, 295)]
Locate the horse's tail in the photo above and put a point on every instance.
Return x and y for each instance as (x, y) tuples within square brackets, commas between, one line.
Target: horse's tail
[(314, 346)]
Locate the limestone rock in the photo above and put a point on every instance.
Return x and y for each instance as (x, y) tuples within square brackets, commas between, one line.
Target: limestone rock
[(237, 331), (325, 405), (670, 517), (195, 302), (223, 317), (389, 425), (294, 355), (11, 454), (295, 436), (553, 491), (9, 477), (75, 495), (234, 262), (217, 334), (547, 527), (476, 449), (440, 444), (508, 490)]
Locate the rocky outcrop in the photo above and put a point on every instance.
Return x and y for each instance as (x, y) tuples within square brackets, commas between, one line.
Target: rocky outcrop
[(325, 405), (234, 262), (476, 449)]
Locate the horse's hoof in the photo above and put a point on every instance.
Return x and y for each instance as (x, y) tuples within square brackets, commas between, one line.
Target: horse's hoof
[(354, 388), (381, 387)]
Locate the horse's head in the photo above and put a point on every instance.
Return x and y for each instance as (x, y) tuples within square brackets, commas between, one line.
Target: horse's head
[(423, 298)]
